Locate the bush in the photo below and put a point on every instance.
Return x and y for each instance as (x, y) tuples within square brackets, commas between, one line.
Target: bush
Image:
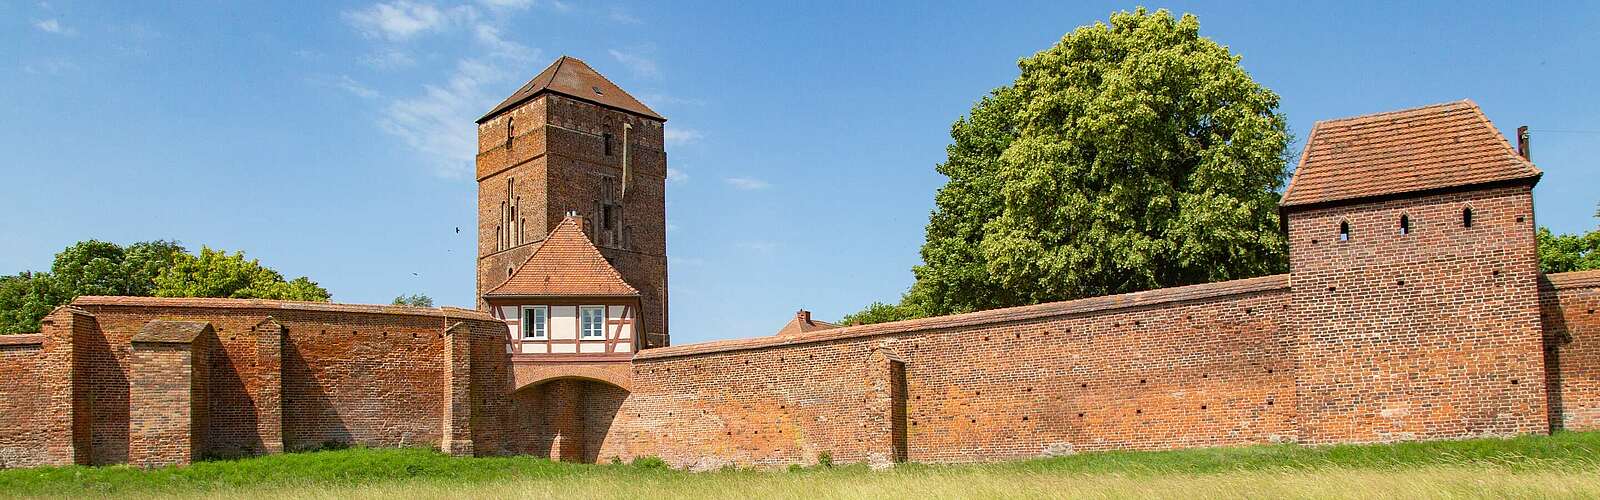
[(825, 459), (649, 462)]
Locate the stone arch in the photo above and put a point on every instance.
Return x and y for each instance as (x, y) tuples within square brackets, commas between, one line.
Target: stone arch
[(616, 374)]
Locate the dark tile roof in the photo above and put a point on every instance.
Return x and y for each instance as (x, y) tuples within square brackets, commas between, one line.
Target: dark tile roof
[(1419, 149), (565, 264), (573, 78)]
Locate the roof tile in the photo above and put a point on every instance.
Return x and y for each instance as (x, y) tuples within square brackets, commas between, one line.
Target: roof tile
[(566, 264), (1431, 147)]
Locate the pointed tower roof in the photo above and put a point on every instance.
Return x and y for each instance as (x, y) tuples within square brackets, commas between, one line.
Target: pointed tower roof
[(565, 264), (1433, 147), (573, 78)]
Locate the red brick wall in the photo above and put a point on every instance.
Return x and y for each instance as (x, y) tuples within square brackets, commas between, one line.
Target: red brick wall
[(1193, 366), (556, 158), (1572, 349), (1429, 335), (25, 410), (350, 375), (167, 397)]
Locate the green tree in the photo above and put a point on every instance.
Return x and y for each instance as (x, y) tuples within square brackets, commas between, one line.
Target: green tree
[(25, 299), (216, 273), (413, 300), (100, 268), (879, 312), (1569, 252), (1128, 156)]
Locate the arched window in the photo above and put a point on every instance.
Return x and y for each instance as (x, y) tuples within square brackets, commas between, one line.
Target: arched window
[(1466, 217), (1344, 231), (511, 123), (1405, 224)]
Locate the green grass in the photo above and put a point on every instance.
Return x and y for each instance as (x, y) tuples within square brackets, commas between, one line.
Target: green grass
[(1561, 465)]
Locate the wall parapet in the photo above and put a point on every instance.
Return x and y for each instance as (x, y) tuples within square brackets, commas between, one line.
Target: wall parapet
[(1572, 280), (1091, 305), (22, 339), (289, 305)]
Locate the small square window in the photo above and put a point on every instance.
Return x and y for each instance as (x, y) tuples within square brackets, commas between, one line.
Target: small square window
[(592, 322), (536, 322)]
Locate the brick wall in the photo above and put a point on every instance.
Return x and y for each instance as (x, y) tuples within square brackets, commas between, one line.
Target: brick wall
[(556, 158), (293, 376), (25, 410), (1194, 366), (1428, 335), (1572, 349), (167, 386)]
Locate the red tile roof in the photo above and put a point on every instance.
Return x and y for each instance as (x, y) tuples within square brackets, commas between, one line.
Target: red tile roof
[(802, 323), (573, 78), (566, 264), (1420, 149)]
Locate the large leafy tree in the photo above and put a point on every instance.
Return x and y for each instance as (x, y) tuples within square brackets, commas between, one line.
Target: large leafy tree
[(1128, 156), (216, 273), (1569, 252), (148, 268), (413, 300)]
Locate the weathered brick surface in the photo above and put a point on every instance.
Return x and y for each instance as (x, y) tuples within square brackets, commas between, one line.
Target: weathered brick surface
[(167, 387), (1428, 335), (1193, 366), (555, 162), (26, 413), (1572, 349)]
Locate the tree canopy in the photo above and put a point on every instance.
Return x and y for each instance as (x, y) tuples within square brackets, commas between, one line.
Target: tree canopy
[(1128, 156), (1569, 252), (151, 268), (413, 300)]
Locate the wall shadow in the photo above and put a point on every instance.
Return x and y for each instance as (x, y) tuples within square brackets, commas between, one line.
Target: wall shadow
[(311, 420)]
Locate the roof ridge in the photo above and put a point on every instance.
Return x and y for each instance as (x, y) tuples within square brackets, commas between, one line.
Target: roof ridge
[(1507, 148), (1468, 102)]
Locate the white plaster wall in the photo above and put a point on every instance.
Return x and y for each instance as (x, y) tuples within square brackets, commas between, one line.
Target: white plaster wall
[(563, 322)]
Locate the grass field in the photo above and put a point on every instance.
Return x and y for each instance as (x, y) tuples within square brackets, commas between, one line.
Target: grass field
[(1565, 465)]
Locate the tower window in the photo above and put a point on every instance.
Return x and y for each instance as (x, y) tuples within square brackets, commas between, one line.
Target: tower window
[(1466, 217), (511, 123), (1344, 231), (1405, 224), (608, 143), (609, 220)]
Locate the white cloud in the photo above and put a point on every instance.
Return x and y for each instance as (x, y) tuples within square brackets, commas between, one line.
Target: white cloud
[(622, 16), (490, 37), (674, 175), (347, 84), (435, 123), (508, 4), (54, 27), (403, 19), (389, 59), (640, 65), (747, 183), (52, 66), (676, 136)]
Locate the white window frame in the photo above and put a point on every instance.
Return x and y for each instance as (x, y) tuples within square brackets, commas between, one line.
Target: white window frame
[(535, 329), (600, 324)]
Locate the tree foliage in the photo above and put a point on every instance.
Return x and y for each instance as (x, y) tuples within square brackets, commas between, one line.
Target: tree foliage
[(216, 273), (151, 268), (413, 300), (1128, 156), (1569, 252)]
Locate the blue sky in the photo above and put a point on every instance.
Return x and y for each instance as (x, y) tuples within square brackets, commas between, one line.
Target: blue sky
[(334, 140)]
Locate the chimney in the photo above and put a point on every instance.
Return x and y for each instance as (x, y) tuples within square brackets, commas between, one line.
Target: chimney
[(579, 220), (803, 316), (1522, 143)]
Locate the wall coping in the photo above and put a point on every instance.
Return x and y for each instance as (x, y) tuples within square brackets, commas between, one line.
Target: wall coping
[(1147, 298), (171, 332), (289, 305), (22, 339), (1575, 279)]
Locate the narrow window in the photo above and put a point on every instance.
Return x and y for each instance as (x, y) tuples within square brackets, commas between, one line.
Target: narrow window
[(535, 322), (1344, 231), (592, 323), (1405, 224), (609, 222), (1466, 217), (608, 143), (511, 122)]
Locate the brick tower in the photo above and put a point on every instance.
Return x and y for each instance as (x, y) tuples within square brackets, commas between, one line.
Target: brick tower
[(572, 141), (1415, 279)]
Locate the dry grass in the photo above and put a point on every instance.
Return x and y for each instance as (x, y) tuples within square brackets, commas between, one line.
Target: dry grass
[(1443, 482)]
